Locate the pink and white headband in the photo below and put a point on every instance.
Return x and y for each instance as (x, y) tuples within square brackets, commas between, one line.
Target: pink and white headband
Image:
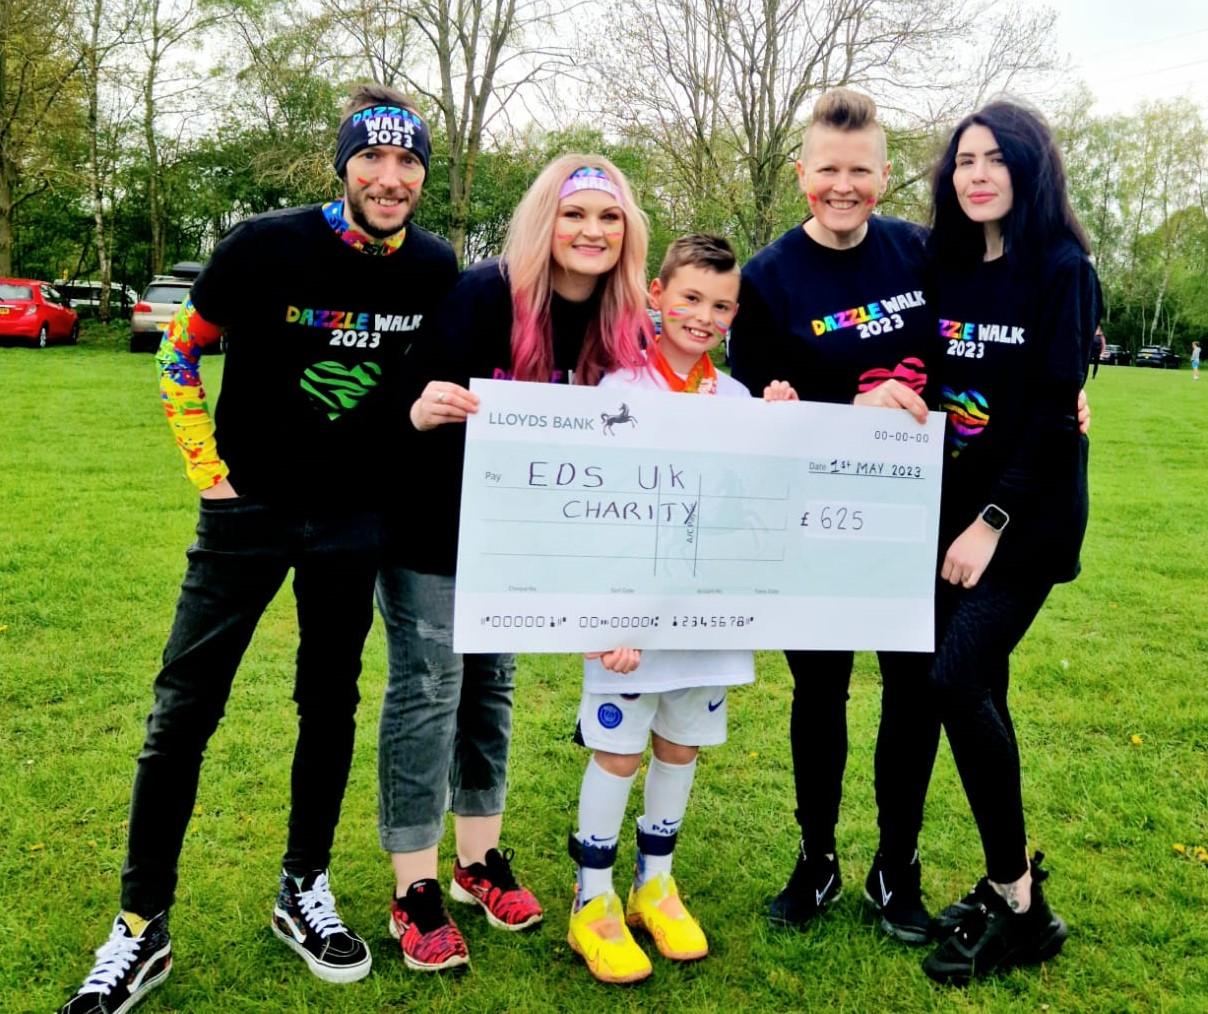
[(589, 178)]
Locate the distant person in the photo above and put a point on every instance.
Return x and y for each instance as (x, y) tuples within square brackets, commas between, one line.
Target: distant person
[(292, 472), (1195, 360), (566, 303), (1098, 349), (674, 699)]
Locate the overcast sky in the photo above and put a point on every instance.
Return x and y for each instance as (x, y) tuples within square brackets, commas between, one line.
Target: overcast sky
[(1130, 50)]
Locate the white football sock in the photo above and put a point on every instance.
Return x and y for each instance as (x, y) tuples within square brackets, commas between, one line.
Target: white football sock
[(666, 795), (602, 800)]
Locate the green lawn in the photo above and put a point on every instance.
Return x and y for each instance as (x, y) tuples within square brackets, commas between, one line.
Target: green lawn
[(94, 520)]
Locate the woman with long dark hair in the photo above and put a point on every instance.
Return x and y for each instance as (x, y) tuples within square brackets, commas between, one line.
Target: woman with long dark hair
[(1018, 301)]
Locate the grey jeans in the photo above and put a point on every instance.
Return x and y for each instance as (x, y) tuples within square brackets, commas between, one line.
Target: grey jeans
[(446, 719)]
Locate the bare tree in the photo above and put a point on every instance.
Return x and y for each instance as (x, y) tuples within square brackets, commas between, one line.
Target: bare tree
[(377, 34), (719, 85), (107, 28), (164, 25)]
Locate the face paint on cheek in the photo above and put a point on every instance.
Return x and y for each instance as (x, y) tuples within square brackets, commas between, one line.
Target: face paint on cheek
[(872, 202), (813, 198), (675, 312), (363, 182), (615, 236), (722, 326), (564, 237)]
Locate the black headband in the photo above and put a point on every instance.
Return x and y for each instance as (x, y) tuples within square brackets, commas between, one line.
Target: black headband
[(376, 125)]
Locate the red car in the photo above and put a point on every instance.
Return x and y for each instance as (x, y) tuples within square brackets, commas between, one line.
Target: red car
[(34, 312)]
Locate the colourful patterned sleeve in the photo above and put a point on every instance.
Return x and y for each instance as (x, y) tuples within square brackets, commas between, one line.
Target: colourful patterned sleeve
[(184, 396)]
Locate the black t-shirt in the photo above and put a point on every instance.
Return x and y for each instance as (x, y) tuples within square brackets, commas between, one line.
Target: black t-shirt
[(472, 337), (1014, 344), (312, 408), (835, 322)]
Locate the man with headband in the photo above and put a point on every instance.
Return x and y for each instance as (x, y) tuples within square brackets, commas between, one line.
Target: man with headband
[(318, 306)]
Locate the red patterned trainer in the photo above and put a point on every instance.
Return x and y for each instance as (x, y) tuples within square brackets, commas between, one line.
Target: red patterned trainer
[(428, 936), (490, 884)]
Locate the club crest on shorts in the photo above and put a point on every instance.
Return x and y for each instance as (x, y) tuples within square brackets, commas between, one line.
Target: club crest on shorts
[(609, 715)]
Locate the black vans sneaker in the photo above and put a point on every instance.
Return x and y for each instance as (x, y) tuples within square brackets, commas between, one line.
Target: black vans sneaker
[(814, 885), (127, 968), (993, 937), (305, 918), (895, 894)]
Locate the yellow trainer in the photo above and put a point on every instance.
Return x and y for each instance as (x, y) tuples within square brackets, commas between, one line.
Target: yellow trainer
[(656, 907), (598, 932)]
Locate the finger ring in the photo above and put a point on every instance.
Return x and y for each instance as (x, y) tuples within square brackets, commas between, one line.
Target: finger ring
[(440, 396)]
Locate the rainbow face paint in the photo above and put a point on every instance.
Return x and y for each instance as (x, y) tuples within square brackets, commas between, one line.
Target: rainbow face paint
[(588, 232)]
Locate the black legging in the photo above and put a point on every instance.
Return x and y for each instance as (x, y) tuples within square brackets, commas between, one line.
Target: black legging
[(979, 628), (906, 745)]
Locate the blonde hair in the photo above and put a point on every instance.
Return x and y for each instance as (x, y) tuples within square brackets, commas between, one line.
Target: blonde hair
[(613, 339), (844, 109)]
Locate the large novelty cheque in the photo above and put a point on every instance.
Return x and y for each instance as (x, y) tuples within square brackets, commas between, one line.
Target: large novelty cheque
[(593, 518)]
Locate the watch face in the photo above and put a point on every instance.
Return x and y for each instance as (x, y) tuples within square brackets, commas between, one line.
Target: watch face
[(995, 517)]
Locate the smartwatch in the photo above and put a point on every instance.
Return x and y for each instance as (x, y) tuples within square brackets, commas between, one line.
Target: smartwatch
[(995, 517)]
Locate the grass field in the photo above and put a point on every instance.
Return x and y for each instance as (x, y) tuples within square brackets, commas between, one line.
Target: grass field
[(1108, 692)]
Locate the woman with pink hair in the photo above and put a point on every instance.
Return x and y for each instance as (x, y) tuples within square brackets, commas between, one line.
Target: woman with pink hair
[(566, 303)]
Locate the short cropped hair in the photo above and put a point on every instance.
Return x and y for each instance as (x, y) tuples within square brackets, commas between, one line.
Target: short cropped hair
[(699, 250), (844, 109), (370, 93)]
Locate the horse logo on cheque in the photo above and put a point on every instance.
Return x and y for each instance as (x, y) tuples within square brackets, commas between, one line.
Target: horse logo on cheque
[(622, 416)]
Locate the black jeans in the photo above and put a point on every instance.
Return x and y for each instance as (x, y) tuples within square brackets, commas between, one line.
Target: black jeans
[(243, 552), (978, 629), (907, 740)]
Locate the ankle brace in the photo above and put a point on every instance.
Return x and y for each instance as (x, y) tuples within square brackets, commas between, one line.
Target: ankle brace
[(593, 857)]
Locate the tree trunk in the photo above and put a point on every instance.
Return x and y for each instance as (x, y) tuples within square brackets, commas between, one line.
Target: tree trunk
[(155, 211), (94, 163), (459, 207), (6, 217)]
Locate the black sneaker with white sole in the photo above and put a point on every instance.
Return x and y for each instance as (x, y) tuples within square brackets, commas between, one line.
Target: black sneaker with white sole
[(991, 937), (894, 891), (305, 918), (127, 968), (814, 885)]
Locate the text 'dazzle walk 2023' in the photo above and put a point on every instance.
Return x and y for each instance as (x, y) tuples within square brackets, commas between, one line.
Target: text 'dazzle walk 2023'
[(592, 518)]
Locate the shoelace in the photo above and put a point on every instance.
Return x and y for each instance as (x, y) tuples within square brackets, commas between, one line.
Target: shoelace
[(499, 869), (114, 957), (425, 909), (318, 905)]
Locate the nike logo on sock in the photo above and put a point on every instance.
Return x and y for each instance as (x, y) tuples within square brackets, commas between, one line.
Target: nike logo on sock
[(885, 895), (820, 894), (714, 705)]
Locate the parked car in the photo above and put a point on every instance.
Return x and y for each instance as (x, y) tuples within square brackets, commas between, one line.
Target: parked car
[(161, 299), (84, 296), (36, 313), (1159, 356), (1115, 355)]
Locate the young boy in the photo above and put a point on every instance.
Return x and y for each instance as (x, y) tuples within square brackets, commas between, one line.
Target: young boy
[(677, 697)]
